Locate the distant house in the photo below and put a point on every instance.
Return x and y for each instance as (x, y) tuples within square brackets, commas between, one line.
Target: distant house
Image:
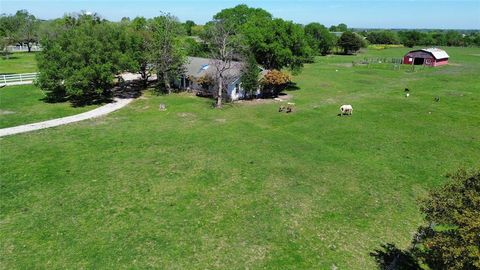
[(428, 57), (337, 34), (200, 74)]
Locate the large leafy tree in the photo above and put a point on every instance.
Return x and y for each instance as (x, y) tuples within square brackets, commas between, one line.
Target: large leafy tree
[(19, 28), (26, 28), (139, 39), (275, 43), (240, 15), (350, 42), (320, 39), (80, 61), (166, 51), (339, 28), (452, 239)]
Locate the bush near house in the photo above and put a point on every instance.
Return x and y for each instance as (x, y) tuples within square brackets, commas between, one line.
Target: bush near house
[(274, 82)]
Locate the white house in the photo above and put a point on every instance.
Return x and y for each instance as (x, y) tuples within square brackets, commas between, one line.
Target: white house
[(203, 68)]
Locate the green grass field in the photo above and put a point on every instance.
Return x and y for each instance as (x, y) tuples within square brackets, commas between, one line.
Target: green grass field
[(19, 62), (245, 186), (23, 104)]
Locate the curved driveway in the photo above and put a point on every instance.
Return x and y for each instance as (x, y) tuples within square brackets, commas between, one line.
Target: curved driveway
[(106, 109)]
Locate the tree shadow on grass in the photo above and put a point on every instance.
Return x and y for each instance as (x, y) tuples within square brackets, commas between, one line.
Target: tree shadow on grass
[(131, 89), (292, 87), (389, 257)]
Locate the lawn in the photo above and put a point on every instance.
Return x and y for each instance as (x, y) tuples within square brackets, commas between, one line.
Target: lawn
[(23, 104), (243, 187), (19, 62)]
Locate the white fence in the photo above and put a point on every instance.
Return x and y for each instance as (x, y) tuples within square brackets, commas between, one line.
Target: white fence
[(23, 48), (16, 79)]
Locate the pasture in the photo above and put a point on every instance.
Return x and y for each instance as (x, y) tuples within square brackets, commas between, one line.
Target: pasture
[(24, 104), (19, 62), (245, 186)]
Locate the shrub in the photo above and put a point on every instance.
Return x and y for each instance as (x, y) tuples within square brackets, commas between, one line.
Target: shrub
[(274, 82)]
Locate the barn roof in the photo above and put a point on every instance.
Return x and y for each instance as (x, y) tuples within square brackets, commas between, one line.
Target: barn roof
[(436, 52)]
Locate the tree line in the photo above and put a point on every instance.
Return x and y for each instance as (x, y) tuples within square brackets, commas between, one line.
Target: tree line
[(413, 38)]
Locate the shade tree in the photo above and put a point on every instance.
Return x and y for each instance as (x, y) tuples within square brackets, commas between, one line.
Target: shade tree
[(275, 43), (350, 42), (320, 38), (80, 62)]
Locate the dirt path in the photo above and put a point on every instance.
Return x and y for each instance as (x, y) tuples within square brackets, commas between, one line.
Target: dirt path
[(104, 110)]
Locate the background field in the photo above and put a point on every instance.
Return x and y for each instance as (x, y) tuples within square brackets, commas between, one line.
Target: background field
[(19, 62), (246, 186)]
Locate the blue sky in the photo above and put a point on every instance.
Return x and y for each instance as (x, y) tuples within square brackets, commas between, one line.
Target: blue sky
[(445, 14)]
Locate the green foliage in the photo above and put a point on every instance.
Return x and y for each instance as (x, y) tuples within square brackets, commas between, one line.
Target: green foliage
[(338, 28), (320, 38), (350, 42), (452, 241), (240, 15), (195, 48), (382, 37), (188, 27), (166, 51), (439, 38), (80, 62), (139, 39), (275, 43), (21, 27), (452, 238), (283, 44), (410, 38), (197, 30), (250, 76)]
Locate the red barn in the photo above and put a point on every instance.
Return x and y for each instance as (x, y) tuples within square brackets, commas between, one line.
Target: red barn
[(429, 57)]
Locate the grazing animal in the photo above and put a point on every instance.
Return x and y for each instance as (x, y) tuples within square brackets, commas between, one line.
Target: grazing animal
[(281, 109), (407, 94), (346, 109), (406, 90), (289, 109)]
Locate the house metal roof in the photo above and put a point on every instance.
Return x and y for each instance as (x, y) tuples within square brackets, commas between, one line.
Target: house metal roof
[(198, 67)]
